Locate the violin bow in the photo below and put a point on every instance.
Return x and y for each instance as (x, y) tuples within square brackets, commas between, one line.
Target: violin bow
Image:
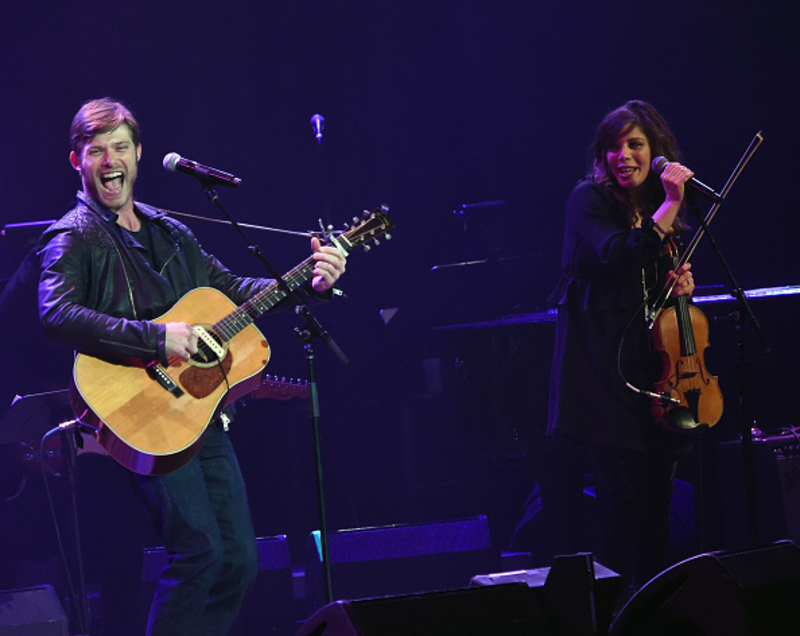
[(664, 295)]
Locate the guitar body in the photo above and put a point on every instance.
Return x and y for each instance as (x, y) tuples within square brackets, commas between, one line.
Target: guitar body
[(145, 426)]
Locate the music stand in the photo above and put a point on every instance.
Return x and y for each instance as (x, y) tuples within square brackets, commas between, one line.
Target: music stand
[(29, 419), (30, 416)]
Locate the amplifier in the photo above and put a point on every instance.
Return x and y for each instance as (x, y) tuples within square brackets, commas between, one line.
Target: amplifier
[(776, 460)]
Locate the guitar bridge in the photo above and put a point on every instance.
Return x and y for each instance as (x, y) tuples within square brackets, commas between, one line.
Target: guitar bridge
[(159, 374)]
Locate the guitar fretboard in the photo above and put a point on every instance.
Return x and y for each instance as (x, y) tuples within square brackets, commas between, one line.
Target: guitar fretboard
[(244, 315), (263, 301)]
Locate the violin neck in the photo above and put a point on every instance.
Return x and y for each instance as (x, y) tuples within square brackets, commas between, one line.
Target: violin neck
[(688, 345)]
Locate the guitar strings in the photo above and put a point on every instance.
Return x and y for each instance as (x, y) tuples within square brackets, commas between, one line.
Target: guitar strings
[(247, 312)]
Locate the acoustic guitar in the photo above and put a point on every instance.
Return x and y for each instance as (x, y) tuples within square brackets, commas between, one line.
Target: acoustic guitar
[(151, 418)]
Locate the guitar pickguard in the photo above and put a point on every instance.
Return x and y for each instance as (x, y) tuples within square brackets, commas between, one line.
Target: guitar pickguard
[(200, 382)]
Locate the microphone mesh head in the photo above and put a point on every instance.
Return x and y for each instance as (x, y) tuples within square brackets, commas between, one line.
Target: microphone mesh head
[(171, 160), (658, 165)]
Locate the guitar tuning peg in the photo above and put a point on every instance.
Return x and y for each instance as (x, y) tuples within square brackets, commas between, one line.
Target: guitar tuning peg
[(376, 241), (355, 219), (388, 237), (367, 247)]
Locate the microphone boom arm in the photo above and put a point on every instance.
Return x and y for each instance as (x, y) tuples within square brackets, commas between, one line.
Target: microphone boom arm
[(251, 226)]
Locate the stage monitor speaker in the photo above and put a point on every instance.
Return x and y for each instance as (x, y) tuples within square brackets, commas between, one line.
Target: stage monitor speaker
[(401, 559), (576, 595), (751, 593), (34, 611), (505, 610)]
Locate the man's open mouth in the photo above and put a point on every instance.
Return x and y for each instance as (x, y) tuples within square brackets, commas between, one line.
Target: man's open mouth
[(112, 181)]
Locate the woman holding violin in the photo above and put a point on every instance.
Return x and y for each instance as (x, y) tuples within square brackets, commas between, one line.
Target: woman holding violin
[(613, 262)]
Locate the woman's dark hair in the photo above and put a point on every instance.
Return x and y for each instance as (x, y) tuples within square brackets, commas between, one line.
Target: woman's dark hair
[(662, 144)]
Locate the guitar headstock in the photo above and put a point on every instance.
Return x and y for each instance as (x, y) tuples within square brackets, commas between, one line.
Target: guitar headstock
[(368, 229)]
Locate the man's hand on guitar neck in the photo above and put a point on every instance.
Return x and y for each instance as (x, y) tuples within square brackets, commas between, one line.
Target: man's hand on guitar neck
[(181, 341), (329, 266)]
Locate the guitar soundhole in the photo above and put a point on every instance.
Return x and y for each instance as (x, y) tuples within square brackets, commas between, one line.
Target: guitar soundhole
[(206, 356)]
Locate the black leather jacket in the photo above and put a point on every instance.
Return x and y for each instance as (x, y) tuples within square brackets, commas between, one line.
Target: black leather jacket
[(99, 294)]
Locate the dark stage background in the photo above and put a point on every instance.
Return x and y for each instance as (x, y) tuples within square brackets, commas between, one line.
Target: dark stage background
[(429, 106)]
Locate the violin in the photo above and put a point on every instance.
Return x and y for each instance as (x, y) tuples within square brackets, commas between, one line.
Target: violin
[(680, 336)]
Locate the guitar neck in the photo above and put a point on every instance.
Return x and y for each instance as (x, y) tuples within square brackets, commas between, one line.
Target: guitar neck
[(263, 301), (367, 230)]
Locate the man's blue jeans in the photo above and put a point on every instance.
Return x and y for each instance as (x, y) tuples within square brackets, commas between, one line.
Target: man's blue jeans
[(203, 517)]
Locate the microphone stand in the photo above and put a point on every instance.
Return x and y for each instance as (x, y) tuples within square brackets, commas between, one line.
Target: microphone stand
[(744, 314), (69, 431), (313, 330)]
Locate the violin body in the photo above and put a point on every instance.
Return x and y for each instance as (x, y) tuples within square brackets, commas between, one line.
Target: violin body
[(680, 335)]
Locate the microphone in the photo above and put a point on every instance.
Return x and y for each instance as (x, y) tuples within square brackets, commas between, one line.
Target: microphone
[(175, 163), (658, 165), (317, 123), (661, 397)]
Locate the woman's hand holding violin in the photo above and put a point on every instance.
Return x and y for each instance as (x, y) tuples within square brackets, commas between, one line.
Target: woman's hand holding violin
[(684, 286)]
